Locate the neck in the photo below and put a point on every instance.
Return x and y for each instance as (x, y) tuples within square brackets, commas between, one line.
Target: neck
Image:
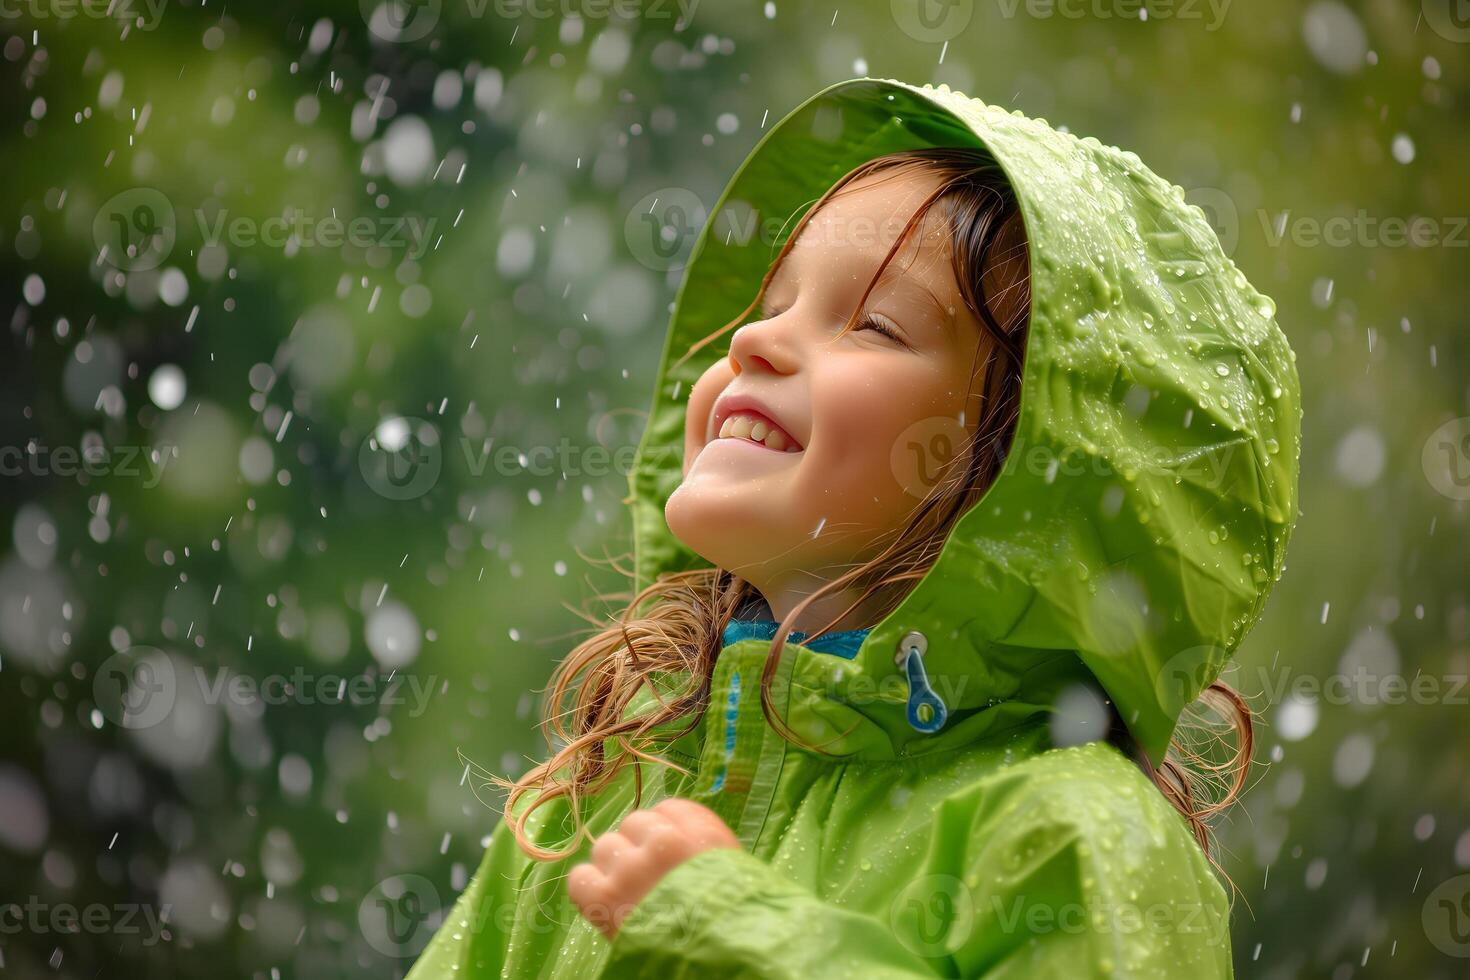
[(785, 596)]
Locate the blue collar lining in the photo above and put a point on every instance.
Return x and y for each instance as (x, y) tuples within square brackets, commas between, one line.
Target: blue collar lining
[(844, 643)]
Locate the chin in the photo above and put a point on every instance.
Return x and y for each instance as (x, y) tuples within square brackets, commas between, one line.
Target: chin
[(723, 528), (701, 524)]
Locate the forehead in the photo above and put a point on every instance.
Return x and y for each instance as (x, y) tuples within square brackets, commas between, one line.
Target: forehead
[(852, 233)]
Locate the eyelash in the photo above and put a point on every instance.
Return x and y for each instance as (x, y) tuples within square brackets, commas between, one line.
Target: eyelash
[(865, 322), (869, 322)]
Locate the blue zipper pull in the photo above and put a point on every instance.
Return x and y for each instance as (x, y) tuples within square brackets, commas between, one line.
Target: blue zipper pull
[(926, 710)]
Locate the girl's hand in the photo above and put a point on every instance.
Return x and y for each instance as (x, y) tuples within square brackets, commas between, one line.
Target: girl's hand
[(628, 862)]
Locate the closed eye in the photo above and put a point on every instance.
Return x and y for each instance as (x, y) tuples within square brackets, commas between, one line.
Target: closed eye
[(868, 321), (884, 326)]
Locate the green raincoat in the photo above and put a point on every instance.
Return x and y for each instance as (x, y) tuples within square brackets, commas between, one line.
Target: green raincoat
[(1130, 543)]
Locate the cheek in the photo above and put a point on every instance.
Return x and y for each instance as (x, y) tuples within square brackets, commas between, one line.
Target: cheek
[(855, 437), (864, 423), (701, 404)]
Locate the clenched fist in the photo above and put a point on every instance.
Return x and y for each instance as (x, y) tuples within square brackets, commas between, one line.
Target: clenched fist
[(628, 862)]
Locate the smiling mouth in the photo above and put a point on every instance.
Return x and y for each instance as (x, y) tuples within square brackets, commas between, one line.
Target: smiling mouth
[(756, 428)]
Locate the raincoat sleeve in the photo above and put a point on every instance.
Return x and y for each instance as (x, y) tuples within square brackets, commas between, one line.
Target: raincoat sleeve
[(1033, 873)]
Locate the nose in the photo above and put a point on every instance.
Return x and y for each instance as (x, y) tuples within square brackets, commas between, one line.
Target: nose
[(761, 347)]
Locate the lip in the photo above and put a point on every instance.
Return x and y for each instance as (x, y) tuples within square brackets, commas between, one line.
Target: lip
[(735, 402)]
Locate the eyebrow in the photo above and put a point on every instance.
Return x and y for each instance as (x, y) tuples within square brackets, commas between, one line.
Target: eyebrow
[(901, 279), (947, 315)]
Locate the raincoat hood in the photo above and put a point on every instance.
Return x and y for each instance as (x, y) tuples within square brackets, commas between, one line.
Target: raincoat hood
[(1144, 509)]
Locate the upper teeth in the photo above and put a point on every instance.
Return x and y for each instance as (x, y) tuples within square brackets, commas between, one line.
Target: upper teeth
[(756, 430)]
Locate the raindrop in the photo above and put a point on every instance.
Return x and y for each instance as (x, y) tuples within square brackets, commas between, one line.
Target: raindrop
[(35, 536), (392, 433), (1361, 456), (1080, 716), (1335, 37), (200, 904), (408, 151), (173, 287), (1296, 718), (1353, 760), (393, 634), (26, 824), (167, 386)]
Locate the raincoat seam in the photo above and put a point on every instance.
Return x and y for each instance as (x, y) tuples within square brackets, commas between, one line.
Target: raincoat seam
[(770, 760), (906, 760)]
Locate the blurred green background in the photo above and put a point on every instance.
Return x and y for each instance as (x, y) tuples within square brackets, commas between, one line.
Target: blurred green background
[(364, 469)]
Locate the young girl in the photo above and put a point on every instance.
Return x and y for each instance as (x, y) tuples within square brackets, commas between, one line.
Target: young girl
[(966, 515)]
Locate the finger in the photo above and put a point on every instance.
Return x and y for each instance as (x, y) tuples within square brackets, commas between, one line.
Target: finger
[(639, 825), (587, 887), (679, 809), (608, 849), (698, 819)]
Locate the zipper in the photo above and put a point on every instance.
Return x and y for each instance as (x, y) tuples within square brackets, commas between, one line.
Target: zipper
[(926, 710)]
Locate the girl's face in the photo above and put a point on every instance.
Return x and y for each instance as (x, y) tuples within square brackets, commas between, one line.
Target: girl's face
[(798, 445)]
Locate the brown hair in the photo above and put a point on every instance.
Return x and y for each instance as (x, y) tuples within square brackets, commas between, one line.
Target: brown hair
[(675, 625)]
